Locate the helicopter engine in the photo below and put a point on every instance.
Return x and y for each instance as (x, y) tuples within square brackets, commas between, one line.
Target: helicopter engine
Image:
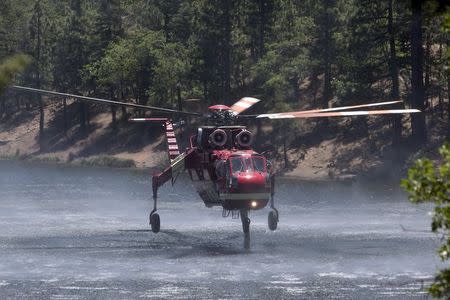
[(244, 138), (218, 138)]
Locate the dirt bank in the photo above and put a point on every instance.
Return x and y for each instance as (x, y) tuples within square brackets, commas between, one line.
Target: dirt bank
[(345, 148)]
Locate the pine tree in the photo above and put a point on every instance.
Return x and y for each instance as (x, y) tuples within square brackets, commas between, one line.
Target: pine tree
[(213, 27), (394, 74), (108, 29), (70, 58), (38, 49), (417, 86)]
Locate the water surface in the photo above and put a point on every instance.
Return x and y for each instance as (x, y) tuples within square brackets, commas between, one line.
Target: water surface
[(73, 233)]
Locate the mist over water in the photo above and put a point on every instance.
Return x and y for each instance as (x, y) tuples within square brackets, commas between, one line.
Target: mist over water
[(70, 232)]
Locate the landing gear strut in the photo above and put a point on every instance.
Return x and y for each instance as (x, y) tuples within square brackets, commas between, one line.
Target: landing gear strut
[(154, 220), (272, 219), (246, 227)]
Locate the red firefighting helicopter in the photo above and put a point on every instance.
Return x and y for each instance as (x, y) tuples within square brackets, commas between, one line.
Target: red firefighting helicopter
[(220, 161)]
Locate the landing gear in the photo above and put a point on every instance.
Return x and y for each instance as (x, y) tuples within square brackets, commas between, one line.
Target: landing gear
[(272, 219), (155, 222), (245, 227), (245, 221)]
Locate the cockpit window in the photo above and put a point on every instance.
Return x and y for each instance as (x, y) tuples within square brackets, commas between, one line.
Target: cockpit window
[(269, 166), (237, 165), (258, 163), (247, 164), (220, 169)]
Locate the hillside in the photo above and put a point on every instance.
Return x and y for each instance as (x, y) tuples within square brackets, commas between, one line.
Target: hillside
[(291, 54), (347, 147)]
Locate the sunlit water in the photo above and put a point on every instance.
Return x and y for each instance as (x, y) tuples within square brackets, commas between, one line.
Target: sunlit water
[(72, 233)]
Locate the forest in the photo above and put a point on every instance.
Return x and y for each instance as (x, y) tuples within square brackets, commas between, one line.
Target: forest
[(290, 53)]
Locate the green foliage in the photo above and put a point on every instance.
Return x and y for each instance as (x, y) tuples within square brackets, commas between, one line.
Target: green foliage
[(10, 67), (118, 65), (145, 64), (12, 33), (38, 38), (287, 60), (15, 156), (288, 52), (446, 29), (151, 47), (427, 182)]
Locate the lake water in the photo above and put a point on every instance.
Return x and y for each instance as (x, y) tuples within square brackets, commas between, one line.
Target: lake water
[(74, 233)]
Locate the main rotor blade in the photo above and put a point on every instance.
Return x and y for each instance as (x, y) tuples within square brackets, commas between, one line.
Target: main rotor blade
[(338, 108), (105, 101), (293, 115), (244, 104)]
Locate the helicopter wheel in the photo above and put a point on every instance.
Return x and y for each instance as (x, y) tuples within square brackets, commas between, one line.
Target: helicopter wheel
[(246, 228), (155, 223), (273, 220)]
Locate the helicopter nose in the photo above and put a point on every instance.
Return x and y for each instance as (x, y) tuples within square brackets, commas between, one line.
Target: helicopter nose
[(251, 182)]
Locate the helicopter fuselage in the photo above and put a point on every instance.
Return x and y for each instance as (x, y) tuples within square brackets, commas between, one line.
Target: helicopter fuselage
[(225, 170), (234, 179)]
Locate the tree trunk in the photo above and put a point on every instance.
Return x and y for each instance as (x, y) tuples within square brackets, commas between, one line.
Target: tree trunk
[(87, 114), (226, 53), (77, 66), (448, 107), (205, 94), (427, 64), (439, 80), (41, 121), (296, 89), (113, 109), (328, 45), (166, 26), (327, 78), (326, 97), (393, 70), (285, 156), (82, 115), (180, 101), (2, 106), (27, 104), (124, 110), (259, 132), (262, 27), (418, 93), (38, 76), (65, 118), (17, 103), (113, 117)]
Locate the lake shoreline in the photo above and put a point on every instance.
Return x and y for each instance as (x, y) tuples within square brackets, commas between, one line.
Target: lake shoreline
[(345, 178)]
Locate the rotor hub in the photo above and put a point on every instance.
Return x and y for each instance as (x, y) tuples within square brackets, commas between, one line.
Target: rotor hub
[(221, 115)]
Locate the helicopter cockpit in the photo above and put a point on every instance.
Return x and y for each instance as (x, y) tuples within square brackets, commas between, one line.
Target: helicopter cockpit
[(244, 181), (242, 165), (247, 173), (247, 164)]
